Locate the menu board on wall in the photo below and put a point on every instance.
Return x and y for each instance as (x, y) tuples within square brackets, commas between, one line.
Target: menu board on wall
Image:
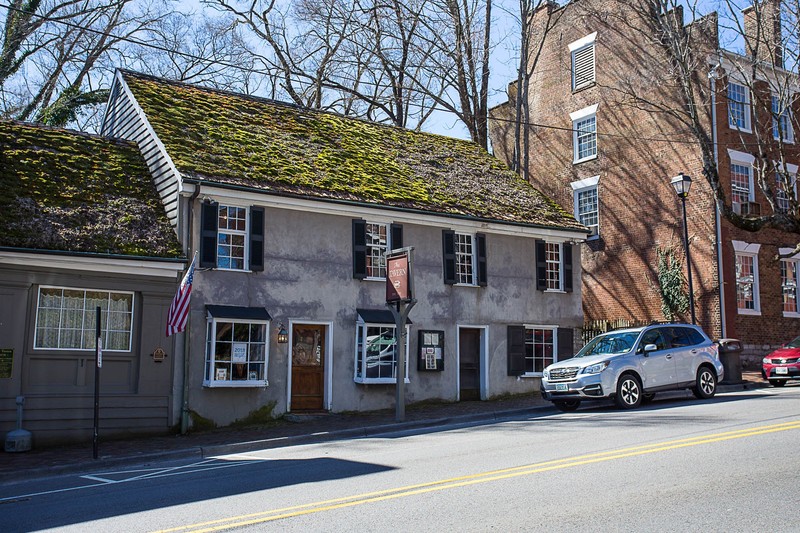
[(431, 350)]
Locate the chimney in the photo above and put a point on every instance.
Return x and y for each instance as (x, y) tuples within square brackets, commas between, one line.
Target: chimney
[(762, 32)]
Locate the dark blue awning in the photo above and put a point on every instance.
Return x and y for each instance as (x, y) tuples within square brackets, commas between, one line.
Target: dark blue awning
[(378, 316), (235, 311)]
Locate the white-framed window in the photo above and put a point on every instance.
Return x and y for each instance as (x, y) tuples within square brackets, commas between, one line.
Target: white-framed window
[(377, 246), (232, 238), (742, 185), (553, 266), (747, 287), (540, 348), (738, 107), (465, 258), (584, 134), (789, 276), (586, 203), (66, 319), (781, 121), (583, 62), (376, 354), (237, 352)]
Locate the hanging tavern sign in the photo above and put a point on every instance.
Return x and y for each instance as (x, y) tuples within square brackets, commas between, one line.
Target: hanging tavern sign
[(398, 276)]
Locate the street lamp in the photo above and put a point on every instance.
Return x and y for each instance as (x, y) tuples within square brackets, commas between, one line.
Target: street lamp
[(681, 183)]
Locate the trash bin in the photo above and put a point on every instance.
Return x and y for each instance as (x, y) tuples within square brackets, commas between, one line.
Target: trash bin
[(730, 351)]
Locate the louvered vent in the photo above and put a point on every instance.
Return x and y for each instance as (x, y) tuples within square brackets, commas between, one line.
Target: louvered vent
[(583, 67)]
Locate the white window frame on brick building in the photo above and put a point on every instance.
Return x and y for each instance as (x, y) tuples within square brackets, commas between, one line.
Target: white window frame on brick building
[(781, 121), (748, 300), (742, 184), (790, 279), (739, 114), (582, 53), (584, 134), (586, 199), (783, 200)]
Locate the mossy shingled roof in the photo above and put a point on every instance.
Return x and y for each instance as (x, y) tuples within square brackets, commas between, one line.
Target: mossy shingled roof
[(74, 192), (221, 137)]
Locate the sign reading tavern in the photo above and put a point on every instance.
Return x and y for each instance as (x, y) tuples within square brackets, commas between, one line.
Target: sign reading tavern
[(398, 275)]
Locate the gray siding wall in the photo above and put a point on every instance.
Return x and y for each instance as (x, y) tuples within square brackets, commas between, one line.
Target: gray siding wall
[(308, 276), (58, 385)]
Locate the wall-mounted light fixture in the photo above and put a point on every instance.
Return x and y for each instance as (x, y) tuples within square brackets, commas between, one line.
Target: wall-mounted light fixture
[(283, 335)]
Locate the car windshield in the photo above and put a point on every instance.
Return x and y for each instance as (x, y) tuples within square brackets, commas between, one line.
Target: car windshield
[(794, 343), (610, 344)]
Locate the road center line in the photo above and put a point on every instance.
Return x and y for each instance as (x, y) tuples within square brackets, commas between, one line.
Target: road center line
[(483, 477)]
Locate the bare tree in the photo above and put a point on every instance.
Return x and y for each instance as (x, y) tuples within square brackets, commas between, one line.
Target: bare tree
[(766, 67)]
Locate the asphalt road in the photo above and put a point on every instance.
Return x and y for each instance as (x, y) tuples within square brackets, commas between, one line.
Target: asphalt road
[(676, 465)]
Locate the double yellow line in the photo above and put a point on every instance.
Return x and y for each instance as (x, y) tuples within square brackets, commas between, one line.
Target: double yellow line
[(473, 479)]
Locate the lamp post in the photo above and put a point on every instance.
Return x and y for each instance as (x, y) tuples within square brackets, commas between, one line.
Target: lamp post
[(681, 183)]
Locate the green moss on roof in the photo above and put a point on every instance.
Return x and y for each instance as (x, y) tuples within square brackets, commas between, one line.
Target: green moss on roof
[(70, 191), (238, 140)]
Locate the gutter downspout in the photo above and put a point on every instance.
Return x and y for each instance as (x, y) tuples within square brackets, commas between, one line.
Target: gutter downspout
[(712, 75), (185, 334)]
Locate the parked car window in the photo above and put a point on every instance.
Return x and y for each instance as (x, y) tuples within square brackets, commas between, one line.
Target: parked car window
[(654, 336), (682, 337)]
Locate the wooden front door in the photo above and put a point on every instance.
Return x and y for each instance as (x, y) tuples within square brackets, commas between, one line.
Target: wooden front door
[(308, 367), (469, 355)]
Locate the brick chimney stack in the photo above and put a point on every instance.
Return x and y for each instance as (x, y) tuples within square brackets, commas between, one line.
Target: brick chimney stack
[(762, 32)]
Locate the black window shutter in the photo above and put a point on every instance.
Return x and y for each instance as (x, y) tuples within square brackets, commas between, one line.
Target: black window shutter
[(541, 266), (516, 350), (396, 236), (566, 345), (567, 266), (209, 218), (449, 256), (257, 239), (480, 242), (359, 248)]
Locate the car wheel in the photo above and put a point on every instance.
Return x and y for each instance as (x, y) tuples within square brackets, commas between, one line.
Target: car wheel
[(706, 383), (777, 382), (567, 405), (629, 392), (648, 397)]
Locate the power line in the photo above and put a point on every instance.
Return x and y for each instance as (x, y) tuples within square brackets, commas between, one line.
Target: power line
[(241, 68)]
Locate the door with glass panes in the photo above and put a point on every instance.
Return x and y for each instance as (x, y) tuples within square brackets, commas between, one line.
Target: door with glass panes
[(308, 367)]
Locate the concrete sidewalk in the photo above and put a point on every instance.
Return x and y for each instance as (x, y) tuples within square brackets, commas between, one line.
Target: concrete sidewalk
[(287, 431)]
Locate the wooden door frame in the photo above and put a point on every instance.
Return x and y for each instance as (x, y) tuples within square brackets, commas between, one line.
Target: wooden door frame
[(327, 379), (483, 359)]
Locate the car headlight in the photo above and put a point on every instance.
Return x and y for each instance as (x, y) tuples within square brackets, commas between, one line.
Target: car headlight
[(546, 374), (595, 368), (766, 360)]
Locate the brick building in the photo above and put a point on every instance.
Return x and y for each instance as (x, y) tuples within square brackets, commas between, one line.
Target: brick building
[(597, 150)]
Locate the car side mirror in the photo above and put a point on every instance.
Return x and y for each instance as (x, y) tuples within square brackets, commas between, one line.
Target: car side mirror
[(649, 348)]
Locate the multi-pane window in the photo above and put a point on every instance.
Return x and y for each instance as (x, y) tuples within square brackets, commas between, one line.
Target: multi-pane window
[(585, 132), (540, 348), (746, 282), (781, 121), (465, 258), (553, 265), (784, 191), (66, 319), (236, 353), (789, 272), (738, 106), (376, 354), (586, 210), (583, 62), (377, 245), (741, 177), (231, 237)]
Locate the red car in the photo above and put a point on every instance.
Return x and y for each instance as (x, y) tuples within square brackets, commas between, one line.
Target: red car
[(783, 364)]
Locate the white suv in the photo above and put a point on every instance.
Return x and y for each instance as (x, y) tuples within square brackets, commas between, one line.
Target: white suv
[(631, 365)]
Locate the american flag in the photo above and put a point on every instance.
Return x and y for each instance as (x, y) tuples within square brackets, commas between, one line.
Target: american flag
[(179, 310)]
